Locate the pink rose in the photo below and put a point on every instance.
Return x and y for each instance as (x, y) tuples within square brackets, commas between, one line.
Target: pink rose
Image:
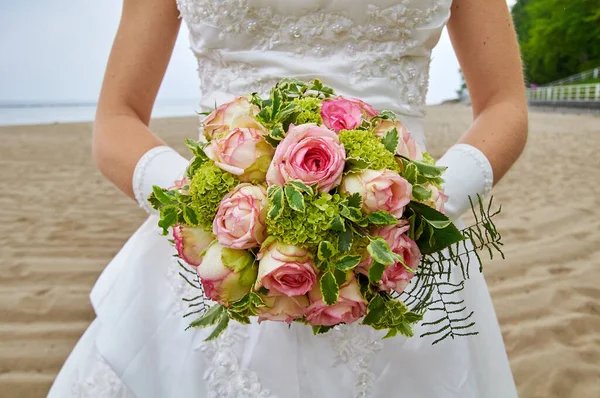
[(240, 219), (285, 269), (226, 274), (242, 152), (438, 198), (396, 276), (380, 190), (407, 146), (282, 308), (350, 307), (311, 154), (237, 113), (367, 110), (191, 242), (340, 114)]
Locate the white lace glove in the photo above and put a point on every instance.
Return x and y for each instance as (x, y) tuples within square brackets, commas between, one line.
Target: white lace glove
[(161, 166), (469, 173)]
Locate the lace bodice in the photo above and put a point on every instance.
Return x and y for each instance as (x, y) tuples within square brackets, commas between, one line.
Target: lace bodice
[(377, 50)]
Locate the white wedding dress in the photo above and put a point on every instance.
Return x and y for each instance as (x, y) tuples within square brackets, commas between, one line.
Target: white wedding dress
[(378, 50)]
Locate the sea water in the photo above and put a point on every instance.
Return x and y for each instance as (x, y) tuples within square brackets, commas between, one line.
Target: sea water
[(12, 114)]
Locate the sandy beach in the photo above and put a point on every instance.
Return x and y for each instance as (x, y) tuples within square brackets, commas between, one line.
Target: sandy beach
[(62, 223)]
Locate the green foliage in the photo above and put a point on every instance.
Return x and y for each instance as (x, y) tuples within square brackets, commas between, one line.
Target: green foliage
[(376, 272), (210, 318), (197, 148), (246, 307), (421, 193), (345, 240), (300, 186), (359, 244), (422, 172), (308, 110), (380, 251), (173, 206), (294, 198), (428, 159), (325, 250), (276, 201), (390, 140), (321, 329), (168, 217), (558, 38), (208, 187), (216, 315), (346, 263), (383, 312), (276, 110), (432, 230), (365, 146), (329, 288), (294, 88), (351, 208), (381, 218)]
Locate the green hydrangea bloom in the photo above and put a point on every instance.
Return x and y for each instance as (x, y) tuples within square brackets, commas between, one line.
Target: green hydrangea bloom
[(208, 187), (367, 146), (308, 228), (310, 110)]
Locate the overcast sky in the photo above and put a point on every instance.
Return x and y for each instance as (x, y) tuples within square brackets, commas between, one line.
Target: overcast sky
[(56, 51)]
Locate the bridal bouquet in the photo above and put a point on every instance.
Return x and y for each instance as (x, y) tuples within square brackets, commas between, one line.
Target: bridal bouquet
[(308, 207)]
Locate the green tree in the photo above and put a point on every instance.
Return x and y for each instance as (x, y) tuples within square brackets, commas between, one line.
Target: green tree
[(558, 38)]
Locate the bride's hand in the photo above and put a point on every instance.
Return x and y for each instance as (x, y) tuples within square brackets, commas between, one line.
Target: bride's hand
[(137, 64), (484, 39)]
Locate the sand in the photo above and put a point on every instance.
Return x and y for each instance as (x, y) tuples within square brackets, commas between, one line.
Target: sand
[(62, 222)]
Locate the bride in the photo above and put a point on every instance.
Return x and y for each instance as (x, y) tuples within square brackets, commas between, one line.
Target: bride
[(378, 50)]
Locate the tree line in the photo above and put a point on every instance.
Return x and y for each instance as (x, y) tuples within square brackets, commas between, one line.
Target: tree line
[(558, 38)]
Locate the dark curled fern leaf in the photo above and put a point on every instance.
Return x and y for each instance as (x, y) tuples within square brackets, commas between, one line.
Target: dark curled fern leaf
[(432, 288)]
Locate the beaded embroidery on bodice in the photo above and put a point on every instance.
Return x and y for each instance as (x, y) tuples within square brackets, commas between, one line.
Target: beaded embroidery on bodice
[(377, 50)]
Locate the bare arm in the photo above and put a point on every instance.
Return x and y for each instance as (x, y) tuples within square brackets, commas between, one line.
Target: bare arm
[(136, 67), (485, 43)]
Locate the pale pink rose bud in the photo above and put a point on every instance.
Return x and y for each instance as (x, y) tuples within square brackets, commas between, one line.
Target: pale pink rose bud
[(438, 198), (226, 274), (311, 154), (242, 152), (282, 308), (191, 242), (396, 276), (340, 114), (240, 219), (238, 113), (407, 146), (349, 308), (285, 269), (380, 190)]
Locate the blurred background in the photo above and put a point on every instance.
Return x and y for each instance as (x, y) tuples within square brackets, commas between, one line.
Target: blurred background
[(54, 71), (62, 222)]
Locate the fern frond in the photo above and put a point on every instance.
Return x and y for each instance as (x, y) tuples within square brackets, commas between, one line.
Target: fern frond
[(199, 303), (433, 289), (192, 284)]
